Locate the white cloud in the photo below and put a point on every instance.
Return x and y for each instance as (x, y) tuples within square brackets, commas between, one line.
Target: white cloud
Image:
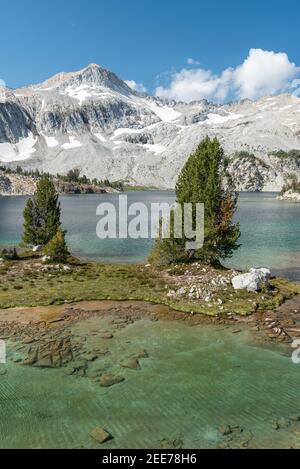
[(191, 61), (139, 87), (262, 73), (2, 82), (191, 85)]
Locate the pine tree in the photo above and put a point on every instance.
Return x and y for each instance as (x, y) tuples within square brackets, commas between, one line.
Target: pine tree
[(57, 248), (201, 181), (42, 214)]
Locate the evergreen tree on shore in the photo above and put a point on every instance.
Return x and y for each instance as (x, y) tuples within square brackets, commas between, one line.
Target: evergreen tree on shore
[(42, 214), (57, 248), (200, 181)]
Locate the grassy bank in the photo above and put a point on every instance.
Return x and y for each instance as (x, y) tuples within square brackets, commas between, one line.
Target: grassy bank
[(28, 282)]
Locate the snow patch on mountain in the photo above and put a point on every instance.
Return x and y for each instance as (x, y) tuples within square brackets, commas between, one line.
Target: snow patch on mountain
[(166, 114), (51, 142), (219, 119), (73, 143), (20, 151)]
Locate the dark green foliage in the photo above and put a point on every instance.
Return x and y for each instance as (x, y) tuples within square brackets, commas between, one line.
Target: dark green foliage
[(200, 181), (9, 254), (42, 214), (73, 175), (57, 248)]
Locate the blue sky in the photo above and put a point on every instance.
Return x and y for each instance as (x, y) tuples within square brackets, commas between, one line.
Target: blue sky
[(142, 40)]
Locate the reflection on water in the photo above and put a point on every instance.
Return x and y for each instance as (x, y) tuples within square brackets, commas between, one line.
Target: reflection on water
[(270, 229)]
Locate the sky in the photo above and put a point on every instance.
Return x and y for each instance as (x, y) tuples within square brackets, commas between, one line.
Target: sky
[(174, 49)]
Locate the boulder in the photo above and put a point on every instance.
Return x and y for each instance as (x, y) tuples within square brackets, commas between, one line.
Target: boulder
[(252, 281)]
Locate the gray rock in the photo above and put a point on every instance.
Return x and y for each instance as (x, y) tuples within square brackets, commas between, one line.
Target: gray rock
[(252, 281)]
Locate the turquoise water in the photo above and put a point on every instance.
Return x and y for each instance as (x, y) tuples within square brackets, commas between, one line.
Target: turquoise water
[(270, 229), (196, 380)]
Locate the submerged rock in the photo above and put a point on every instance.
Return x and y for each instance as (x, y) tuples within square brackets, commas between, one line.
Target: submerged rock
[(252, 281), (107, 380), (139, 355), (131, 363), (100, 435), (45, 362), (106, 335)]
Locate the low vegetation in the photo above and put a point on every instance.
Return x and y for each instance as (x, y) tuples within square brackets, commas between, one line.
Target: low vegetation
[(251, 158), (30, 282), (292, 184), (292, 154)]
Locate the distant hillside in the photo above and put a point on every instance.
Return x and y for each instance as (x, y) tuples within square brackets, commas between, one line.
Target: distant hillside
[(23, 183)]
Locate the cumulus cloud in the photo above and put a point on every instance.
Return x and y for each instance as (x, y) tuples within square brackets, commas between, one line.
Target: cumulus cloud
[(261, 73), (191, 61), (264, 72), (2, 82), (139, 87), (191, 85)]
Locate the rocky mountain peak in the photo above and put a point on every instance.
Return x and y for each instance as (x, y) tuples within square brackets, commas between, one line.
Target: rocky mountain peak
[(91, 76)]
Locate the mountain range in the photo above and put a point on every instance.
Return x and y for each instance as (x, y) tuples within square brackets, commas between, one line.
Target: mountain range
[(93, 121)]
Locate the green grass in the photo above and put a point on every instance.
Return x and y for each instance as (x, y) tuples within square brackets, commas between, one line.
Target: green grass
[(95, 281)]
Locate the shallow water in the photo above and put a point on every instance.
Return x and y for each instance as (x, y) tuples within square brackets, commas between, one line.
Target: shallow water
[(196, 380), (270, 230)]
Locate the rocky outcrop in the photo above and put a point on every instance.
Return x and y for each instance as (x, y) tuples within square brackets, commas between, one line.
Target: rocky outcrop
[(14, 184), (93, 121)]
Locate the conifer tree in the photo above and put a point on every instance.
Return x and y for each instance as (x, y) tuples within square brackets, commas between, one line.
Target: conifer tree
[(201, 181), (57, 248), (42, 214)]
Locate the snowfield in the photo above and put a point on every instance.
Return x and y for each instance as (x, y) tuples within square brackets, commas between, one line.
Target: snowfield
[(20, 151)]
